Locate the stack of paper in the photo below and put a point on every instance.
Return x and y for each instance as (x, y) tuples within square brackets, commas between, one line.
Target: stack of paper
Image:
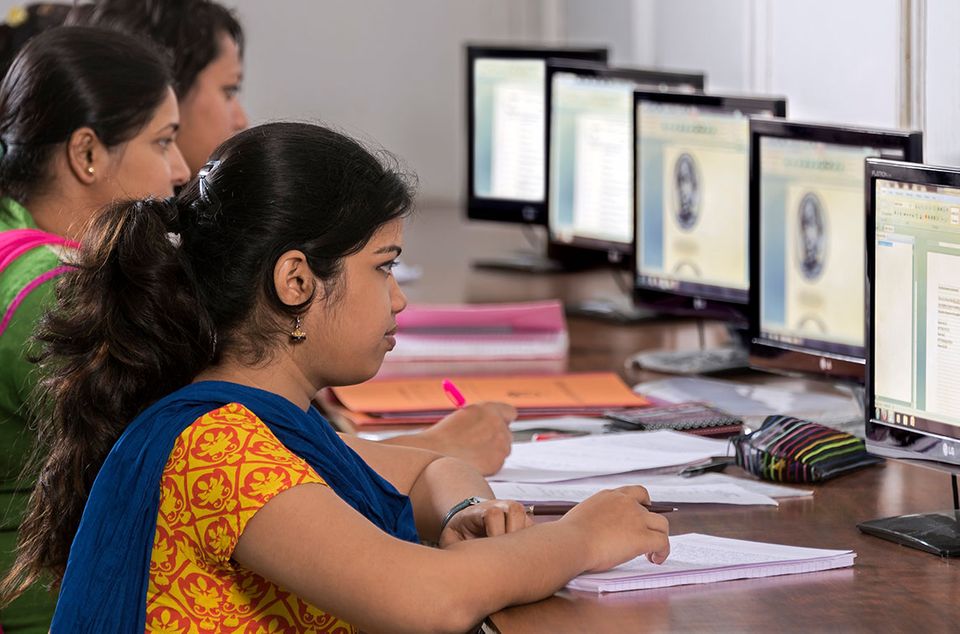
[(413, 401), (573, 469), (754, 402), (696, 558), (519, 331), (680, 493), (605, 454)]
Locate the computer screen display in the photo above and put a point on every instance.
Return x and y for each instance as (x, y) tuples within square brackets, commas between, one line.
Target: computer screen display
[(808, 244), (917, 290), (914, 262), (692, 206), (811, 271), (591, 159), (510, 114), (692, 203), (506, 121)]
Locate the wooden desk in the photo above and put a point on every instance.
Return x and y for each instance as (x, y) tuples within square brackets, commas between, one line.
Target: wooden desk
[(890, 589)]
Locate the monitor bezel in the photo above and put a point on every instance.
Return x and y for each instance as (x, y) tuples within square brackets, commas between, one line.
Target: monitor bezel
[(618, 253), (785, 358), (502, 209), (708, 303), (883, 438)]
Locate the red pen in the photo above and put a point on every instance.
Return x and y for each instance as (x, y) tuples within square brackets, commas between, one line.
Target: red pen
[(456, 396)]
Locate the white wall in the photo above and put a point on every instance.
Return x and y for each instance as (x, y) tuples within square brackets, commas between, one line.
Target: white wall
[(704, 35), (834, 61), (393, 71), (385, 70), (942, 82)]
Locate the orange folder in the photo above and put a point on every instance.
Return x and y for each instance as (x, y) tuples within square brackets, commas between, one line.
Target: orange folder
[(423, 399)]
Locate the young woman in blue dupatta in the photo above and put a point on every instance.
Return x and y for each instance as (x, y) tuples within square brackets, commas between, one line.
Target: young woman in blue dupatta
[(190, 485), (205, 41)]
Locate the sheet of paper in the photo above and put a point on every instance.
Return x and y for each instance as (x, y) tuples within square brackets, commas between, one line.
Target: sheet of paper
[(671, 480), (724, 493), (562, 423), (696, 558), (742, 399), (594, 455)]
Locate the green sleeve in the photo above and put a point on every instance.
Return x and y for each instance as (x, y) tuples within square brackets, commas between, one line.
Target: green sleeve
[(18, 374)]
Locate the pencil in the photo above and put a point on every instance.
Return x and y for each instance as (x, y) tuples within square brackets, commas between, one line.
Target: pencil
[(559, 508)]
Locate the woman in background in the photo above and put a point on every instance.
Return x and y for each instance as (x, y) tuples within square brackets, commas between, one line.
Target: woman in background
[(226, 502), (86, 117)]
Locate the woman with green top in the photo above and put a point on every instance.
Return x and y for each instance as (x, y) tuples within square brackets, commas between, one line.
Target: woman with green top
[(87, 117)]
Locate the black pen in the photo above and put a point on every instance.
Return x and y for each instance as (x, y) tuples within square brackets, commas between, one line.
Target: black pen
[(560, 508)]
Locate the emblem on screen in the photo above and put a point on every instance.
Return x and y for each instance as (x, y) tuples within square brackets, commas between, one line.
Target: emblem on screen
[(686, 177), (812, 236)]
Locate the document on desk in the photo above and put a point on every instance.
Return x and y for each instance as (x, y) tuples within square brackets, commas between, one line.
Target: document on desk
[(696, 558), (605, 454), (706, 493), (707, 479), (748, 400)]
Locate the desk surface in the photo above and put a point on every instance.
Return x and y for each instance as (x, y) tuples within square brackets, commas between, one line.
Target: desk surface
[(891, 588)]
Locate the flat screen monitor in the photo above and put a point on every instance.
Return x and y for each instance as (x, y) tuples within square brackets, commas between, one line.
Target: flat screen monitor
[(506, 130), (913, 335), (808, 246), (692, 201), (913, 326), (590, 152)]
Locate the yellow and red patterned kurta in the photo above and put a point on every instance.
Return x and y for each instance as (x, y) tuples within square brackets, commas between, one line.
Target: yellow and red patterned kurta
[(222, 470)]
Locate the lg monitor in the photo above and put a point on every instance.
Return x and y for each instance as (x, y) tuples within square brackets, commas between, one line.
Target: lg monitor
[(913, 334), (506, 130), (590, 152), (692, 213), (807, 254)]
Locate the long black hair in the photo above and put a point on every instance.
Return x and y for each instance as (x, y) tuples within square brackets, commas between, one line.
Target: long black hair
[(143, 314), (68, 78), (189, 30)]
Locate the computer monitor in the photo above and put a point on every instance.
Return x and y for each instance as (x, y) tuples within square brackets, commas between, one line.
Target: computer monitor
[(590, 152), (808, 244), (506, 119), (692, 214), (913, 333)]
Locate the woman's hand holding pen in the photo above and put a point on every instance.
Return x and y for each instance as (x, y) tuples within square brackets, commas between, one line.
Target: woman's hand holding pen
[(487, 519), (477, 434), (617, 527)]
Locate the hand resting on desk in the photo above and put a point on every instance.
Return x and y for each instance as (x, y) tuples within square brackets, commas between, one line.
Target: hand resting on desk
[(488, 519), (618, 527), (477, 434)]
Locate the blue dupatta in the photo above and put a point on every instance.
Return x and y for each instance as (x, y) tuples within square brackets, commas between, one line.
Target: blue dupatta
[(105, 585)]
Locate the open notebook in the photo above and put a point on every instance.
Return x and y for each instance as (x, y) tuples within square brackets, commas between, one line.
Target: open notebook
[(696, 558)]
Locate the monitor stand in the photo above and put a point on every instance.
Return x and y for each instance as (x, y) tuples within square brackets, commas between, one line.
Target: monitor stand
[(733, 356), (523, 261), (937, 533), (533, 259), (620, 310)]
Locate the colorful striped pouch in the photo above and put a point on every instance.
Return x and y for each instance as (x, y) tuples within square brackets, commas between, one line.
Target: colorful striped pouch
[(787, 449)]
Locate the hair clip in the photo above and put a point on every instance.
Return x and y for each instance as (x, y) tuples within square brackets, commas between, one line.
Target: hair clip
[(207, 193)]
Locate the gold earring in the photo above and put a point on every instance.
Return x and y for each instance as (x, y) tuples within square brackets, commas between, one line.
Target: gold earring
[(297, 335), (90, 170)]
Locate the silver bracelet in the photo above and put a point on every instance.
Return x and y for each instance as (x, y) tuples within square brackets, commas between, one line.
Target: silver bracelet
[(456, 508)]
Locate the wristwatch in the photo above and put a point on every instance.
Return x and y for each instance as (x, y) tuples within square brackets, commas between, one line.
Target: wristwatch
[(456, 508)]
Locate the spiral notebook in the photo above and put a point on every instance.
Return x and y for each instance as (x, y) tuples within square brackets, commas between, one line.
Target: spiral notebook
[(696, 558)]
